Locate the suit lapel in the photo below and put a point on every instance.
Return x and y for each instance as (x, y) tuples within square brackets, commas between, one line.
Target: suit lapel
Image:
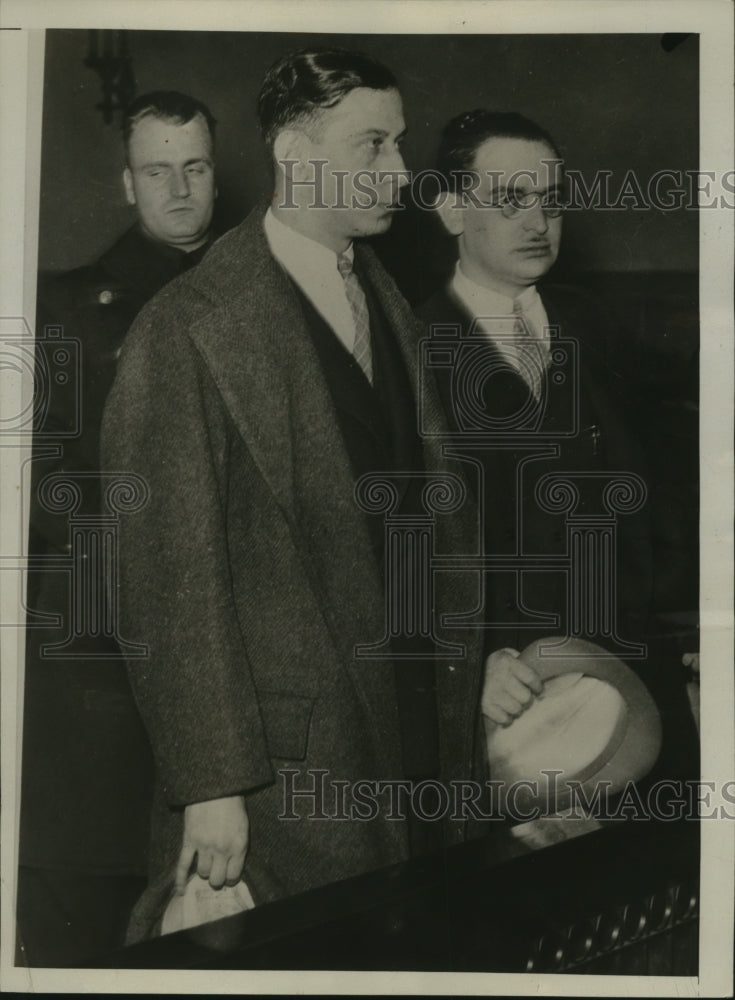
[(349, 388), (458, 682)]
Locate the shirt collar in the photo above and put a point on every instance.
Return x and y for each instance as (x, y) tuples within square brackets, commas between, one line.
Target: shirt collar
[(299, 254)]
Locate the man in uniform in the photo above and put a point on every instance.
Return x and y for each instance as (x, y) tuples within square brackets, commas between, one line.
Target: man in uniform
[(86, 761)]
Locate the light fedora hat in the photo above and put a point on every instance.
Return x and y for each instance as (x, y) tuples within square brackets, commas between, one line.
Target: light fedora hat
[(595, 724)]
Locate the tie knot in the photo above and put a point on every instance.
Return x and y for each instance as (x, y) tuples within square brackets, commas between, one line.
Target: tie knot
[(344, 264), (520, 323)]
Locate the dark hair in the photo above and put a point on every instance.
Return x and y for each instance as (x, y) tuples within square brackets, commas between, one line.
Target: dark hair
[(168, 105), (464, 135), (301, 84)]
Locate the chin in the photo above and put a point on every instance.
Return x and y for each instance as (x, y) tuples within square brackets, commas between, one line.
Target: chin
[(182, 240), (375, 226), (187, 234), (534, 274)]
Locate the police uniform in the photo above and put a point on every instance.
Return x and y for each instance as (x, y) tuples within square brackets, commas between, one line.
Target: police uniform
[(86, 761)]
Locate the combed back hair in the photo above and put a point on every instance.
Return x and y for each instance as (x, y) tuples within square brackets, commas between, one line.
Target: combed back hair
[(302, 84), (168, 105), (464, 135)]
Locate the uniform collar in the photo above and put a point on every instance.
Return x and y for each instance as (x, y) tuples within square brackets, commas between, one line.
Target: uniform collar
[(139, 261)]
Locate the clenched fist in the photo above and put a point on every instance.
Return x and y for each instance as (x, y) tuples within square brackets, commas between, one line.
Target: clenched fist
[(216, 832), (509, 688)]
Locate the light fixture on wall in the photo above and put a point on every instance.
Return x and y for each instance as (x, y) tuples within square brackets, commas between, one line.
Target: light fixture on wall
[(109, 56)]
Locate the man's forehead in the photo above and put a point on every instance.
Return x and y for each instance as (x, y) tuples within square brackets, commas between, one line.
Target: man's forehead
[(365, 109), (165, 133), (515, 159)]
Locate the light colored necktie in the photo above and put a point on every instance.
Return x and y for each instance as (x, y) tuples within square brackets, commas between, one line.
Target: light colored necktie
[(530, 352), (358, 304)]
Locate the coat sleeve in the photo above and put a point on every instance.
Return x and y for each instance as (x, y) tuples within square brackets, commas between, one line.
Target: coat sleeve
[(165, 422)]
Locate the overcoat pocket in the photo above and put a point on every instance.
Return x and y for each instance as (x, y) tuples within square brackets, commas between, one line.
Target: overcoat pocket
[(286, 719)]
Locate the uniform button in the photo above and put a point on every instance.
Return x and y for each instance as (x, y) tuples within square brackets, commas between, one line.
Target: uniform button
[(105, 297)]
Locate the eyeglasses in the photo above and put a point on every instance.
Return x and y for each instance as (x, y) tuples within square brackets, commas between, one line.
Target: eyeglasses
[(511, 203)]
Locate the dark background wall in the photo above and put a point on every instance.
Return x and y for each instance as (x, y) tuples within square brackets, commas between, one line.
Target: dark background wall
[(614, 102)]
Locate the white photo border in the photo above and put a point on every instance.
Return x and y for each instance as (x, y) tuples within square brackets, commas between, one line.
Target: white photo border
[(22, 44)]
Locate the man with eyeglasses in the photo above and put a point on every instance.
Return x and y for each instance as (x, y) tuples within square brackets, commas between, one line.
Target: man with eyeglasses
[(539, 409)]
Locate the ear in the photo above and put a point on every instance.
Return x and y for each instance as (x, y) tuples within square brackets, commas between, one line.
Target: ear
[(290, 145), (129, 188), (451, 210)]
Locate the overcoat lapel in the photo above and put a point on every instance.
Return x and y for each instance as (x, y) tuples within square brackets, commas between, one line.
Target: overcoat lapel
[(258, 348)]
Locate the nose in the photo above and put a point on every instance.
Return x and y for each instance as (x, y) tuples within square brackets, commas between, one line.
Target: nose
[(179, 184), (534, 217), (400, 166), (394, 166)]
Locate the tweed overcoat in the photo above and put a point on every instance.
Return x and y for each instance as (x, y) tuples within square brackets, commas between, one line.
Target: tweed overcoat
[(250, 576)]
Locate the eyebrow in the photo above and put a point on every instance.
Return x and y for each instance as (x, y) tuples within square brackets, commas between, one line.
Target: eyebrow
[(380, 133), (167, 163), (503, 189)]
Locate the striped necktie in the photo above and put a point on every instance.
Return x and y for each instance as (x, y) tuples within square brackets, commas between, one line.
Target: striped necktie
[(358, 304), (529, 350)]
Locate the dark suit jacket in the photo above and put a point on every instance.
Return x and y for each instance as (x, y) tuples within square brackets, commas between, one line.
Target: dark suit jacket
[(251, 576), (96, 306), (603, 442)]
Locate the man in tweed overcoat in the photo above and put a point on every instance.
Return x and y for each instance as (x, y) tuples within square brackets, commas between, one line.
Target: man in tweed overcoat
[(252, 573)]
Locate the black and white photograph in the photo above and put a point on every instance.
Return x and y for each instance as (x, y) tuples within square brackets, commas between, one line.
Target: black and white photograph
[(366, 442)]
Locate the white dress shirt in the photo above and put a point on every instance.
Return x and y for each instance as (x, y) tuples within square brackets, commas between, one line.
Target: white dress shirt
[(314, 269), (494, 313)]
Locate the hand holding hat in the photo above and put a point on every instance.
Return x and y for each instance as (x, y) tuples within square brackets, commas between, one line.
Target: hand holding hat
[(510, 686), (593, 722)]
